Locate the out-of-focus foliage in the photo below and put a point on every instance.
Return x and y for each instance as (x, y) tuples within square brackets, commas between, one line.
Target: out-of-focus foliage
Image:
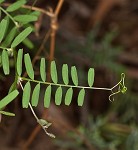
[(101, 134)]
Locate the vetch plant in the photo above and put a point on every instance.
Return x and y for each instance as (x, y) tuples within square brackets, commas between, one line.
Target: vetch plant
[(8, 47)]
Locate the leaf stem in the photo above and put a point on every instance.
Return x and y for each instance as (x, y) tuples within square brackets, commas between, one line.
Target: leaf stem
[(34, 114), (8, 49), (16, 23), (63, 85)]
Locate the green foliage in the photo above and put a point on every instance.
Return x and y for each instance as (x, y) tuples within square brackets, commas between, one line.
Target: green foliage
[(3, 27), (21, 37), (25, 18), (15, 29), (58, 96), (74, 75), (91, 77), (7, 113), (43, 69), (68, 96), (47, 96), (54, 72), (10, 37), (16, 5), (19, 62), (26, 95), (5, 62), (101, 134), (10, 97), (35, 95), (81, 97), (65, 74), (28, 66)]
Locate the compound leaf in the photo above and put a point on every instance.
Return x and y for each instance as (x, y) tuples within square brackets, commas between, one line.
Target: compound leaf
[(54, 72), (26, 95), (19, 61), (65, 74), (28, 66), (3, 27), (10, 97), (74, 75), (81, 97), (21, 36), (47, 96), (5, 62), (68, 96), (15, 5), (43, 69), (58, 96), (91, 77), (35, 95)]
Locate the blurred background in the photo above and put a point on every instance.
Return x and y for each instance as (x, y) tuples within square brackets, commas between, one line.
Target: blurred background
[(102, 34)]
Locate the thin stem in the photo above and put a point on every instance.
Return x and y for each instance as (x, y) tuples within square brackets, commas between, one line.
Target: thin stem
[(122, 80), (63, 85), (31, 8), (116, 85), (34, 114), (58, 8), (113, 95), (33, 4), (30, 105), (16, 23)]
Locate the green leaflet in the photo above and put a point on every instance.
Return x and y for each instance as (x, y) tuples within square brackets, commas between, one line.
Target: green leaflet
[(74, 75), (35, 13), (91, 77), (10, 97), (58, 96), (15, 5), (9, 37), (28, 66), (3, 27), (7, 113), (54, 72), (43, 69), (68, 96), (19, 61), (26, 95), (21, 37), (35, 95), (65, 75), (5, 62), (81, 97), (25, 18), (28, 43), (13, 87), (47, 96)]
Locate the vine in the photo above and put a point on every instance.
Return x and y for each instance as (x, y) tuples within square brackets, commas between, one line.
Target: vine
[(8, 45)]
